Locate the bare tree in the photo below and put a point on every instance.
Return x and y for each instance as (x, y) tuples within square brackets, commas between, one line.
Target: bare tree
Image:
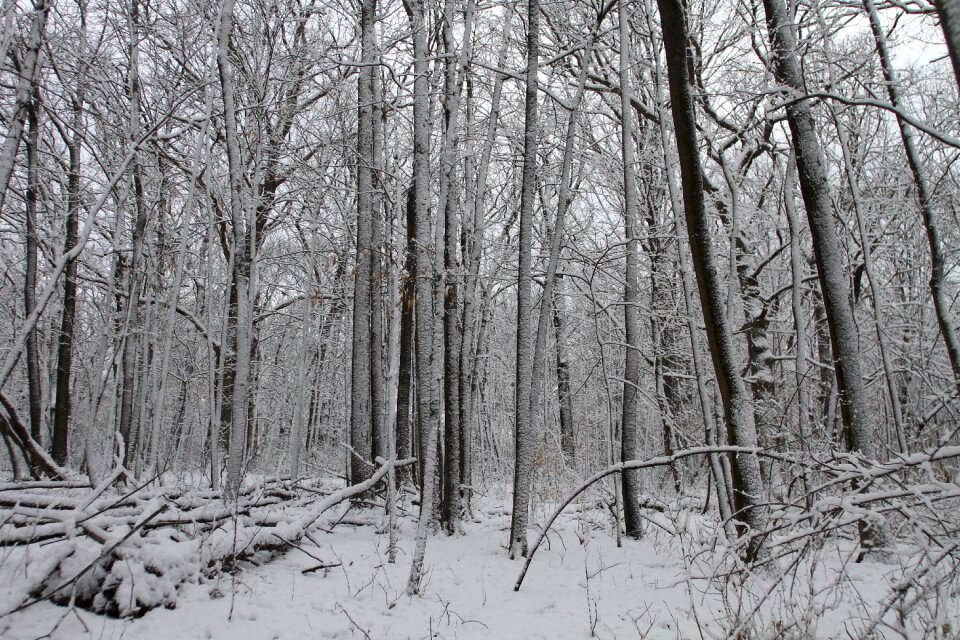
[(240, 256), (629, 430), (524, 429), (747, 484), (834, 283)]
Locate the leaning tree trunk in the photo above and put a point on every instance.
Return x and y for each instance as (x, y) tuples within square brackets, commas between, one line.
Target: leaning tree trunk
[(28, 71), (710, 432), (949, 12), (875, 291), (941, 301), (748, 487), (834, 284)]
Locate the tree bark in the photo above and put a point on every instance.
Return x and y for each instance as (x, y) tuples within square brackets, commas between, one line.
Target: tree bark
[(241, 258), (361, 434), (629, 429), (35, 392), (949, 12), (748, 488), (941, 302), (472, 257), (834, 283), (427, 418), (449, 200), (29, 69), (63, 399), (724, 499), (524, 431), (565, 396), (796, 295), (405, 369)]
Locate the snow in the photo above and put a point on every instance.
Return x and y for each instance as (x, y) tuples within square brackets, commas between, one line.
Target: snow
[(580, 584)]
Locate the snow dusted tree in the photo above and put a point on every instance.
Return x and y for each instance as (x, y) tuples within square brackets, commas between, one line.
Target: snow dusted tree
[(629, 430), (523, 418), (737, 413), (834, 282)]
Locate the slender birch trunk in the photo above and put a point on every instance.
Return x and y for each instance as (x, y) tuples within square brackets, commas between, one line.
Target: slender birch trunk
[(299, 415), (471, 338), (565, 396), (796, 294), (199, 160)]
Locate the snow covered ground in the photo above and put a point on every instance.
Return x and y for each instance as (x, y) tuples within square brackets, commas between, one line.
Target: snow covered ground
[(579, 586)]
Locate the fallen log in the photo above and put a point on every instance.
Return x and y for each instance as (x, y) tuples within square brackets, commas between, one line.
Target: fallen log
[(122, 556)]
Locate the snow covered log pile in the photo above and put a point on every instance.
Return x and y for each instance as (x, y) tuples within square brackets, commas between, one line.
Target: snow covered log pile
[(124, 552)]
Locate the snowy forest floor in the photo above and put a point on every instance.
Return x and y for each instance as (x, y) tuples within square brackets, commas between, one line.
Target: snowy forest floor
[(580, 585)]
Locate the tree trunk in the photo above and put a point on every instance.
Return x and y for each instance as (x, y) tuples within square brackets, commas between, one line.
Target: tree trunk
[(949, 12), (379, 446), (134, 285), (427, 419), (30, 280), (525, 435), (834, 284), (63, 399), (761, 378), (299, 415), (242, 260), (28, 72), (748, 488), (941, 301), (796, 295), (629, 429), (875, 291), (405, 369), (565, 396), (361, 435), (724, 499), (472, 256), (449, 200)]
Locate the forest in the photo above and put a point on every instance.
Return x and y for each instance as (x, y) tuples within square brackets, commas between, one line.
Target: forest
[(480, 319)]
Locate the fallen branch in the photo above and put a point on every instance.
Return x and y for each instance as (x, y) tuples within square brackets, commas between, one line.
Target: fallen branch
[(851, 468)]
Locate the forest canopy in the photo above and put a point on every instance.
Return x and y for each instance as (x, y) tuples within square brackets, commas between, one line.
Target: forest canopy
[(679, 256)]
